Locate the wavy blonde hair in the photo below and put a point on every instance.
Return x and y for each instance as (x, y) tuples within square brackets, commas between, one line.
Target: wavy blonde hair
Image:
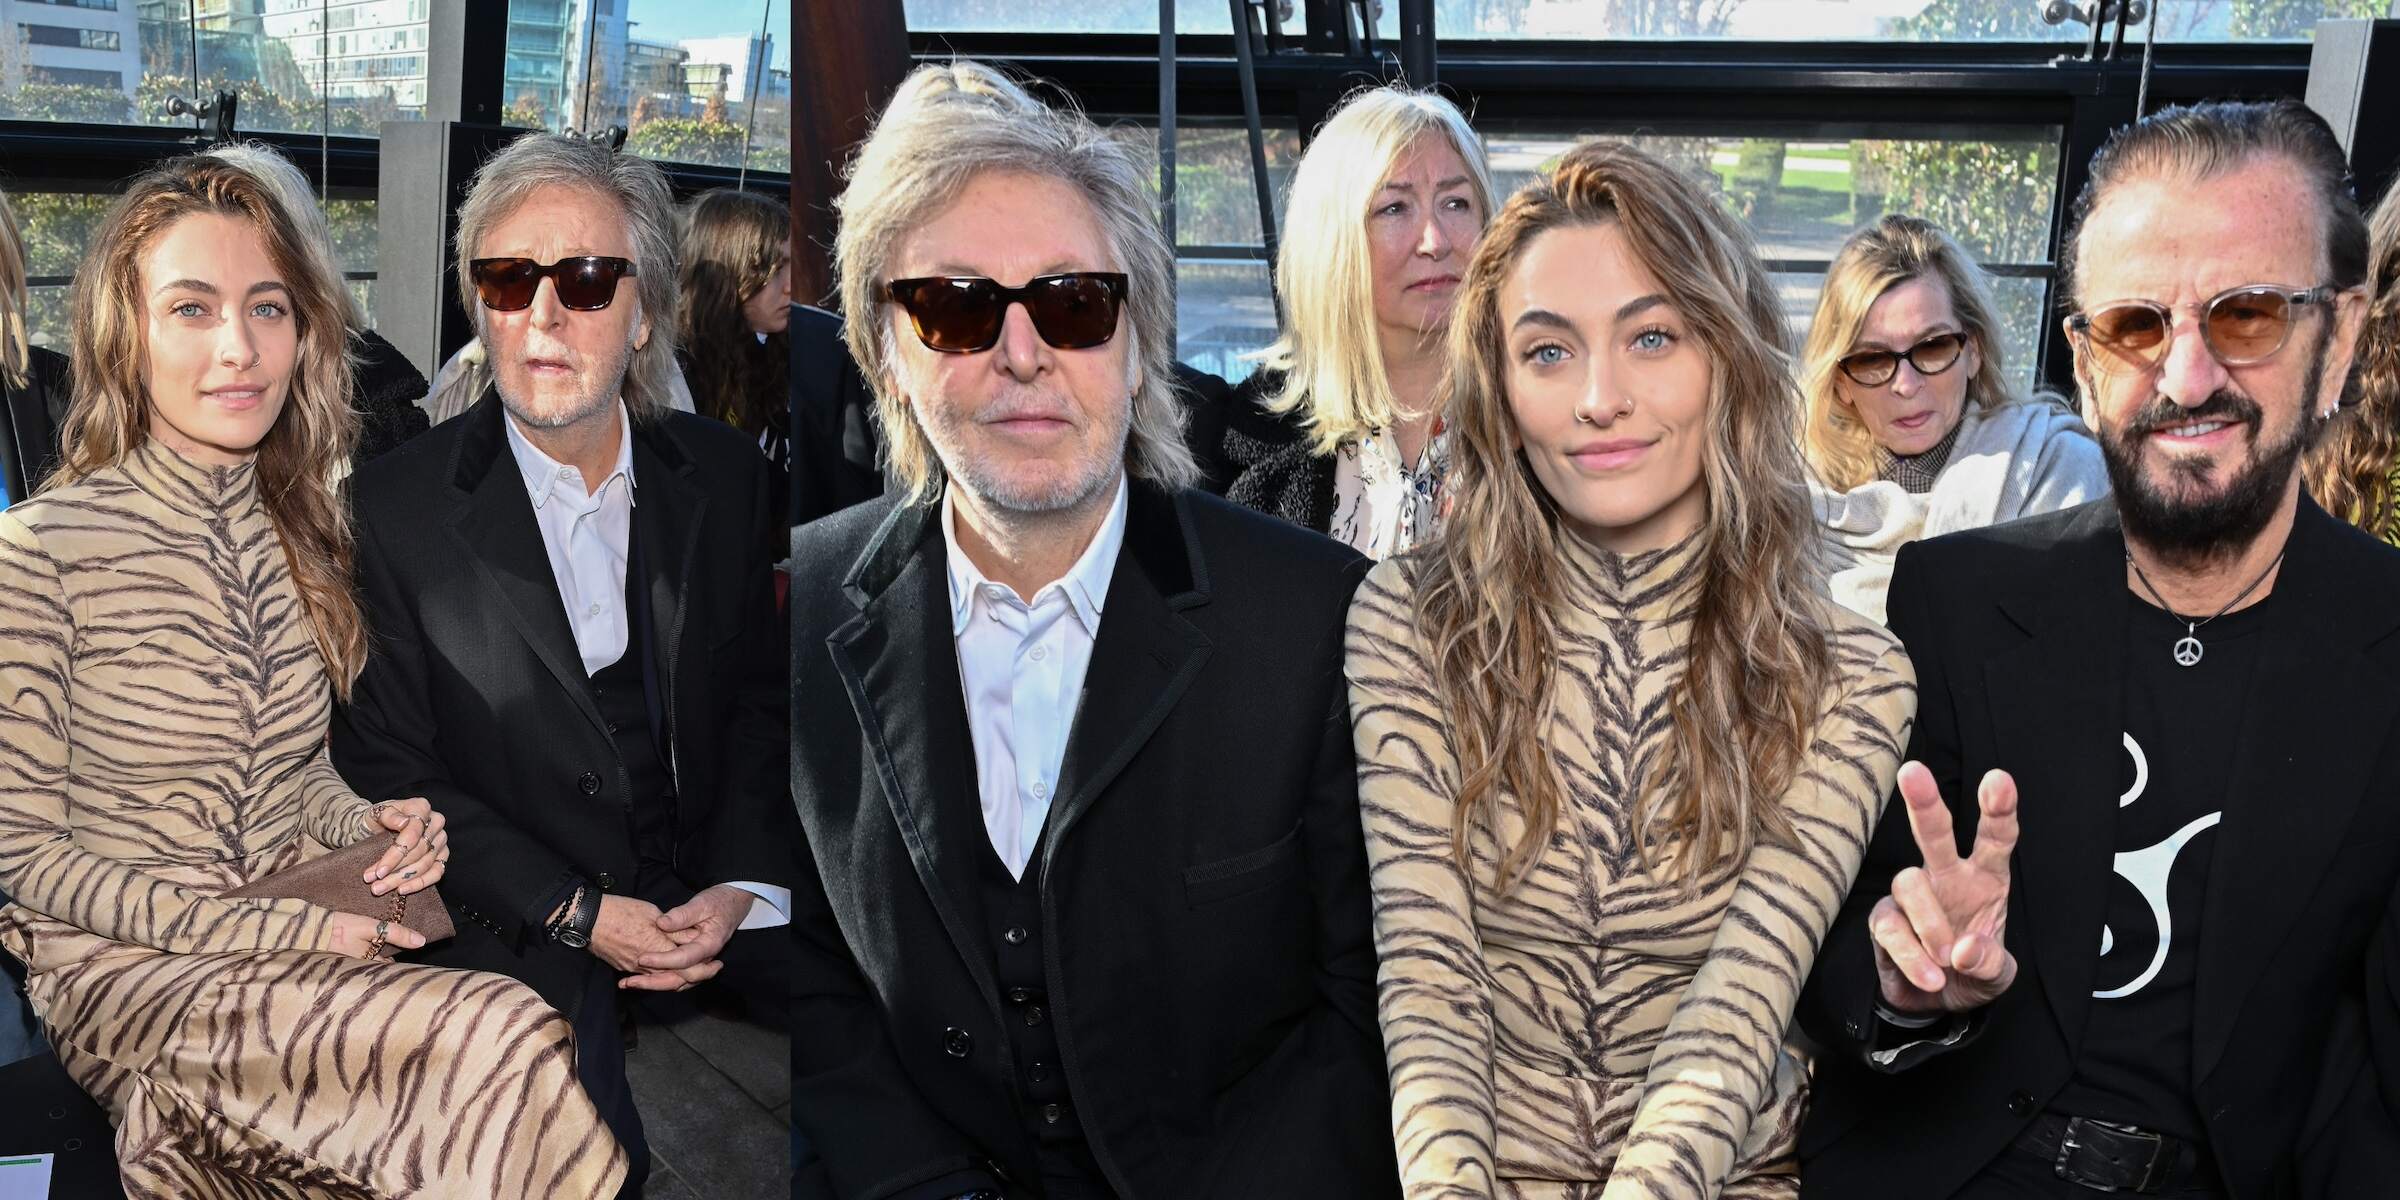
[(1488, 594), (1891, 252), (15, 339), (1330, 352), (2350, 471), (946, 126), (110, 416)]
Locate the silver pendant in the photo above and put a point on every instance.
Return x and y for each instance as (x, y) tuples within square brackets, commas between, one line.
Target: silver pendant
[(2187, 651)]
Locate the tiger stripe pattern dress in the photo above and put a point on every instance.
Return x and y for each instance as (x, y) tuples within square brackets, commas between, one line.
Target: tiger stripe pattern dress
[(1598, 1032), (162, 740)]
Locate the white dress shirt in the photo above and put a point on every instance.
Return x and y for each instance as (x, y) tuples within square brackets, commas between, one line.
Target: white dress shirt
[(588, 534), (1022, 667)]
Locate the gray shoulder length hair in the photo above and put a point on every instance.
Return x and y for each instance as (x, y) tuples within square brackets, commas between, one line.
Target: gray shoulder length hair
[(538, 160), (947, 125)]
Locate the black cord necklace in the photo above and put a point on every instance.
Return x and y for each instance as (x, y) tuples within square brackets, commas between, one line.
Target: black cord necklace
[(2188, 647)]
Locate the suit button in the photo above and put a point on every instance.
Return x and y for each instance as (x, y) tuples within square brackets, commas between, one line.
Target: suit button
[(590, 784), (606, 881), (1039, 1072), (1019, 995), (957, 1043), (2020, 1104), (1052, 1114), (1014, 935), (612, 727), (1035, 1015), (1856, 1029)]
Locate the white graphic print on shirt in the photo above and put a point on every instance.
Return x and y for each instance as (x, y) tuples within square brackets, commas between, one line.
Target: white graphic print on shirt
[(2147, 870)]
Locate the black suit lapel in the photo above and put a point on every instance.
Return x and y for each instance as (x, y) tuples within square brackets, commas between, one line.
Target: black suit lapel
[(2313, 724), (1147, 654), (496, 530), (2058, 715), (899, 663), (667, 510)]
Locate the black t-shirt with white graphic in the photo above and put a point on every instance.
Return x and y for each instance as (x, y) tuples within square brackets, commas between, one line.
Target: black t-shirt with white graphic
[(2135, 1065)]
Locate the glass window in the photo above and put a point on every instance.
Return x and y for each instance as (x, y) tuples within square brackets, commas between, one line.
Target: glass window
[(1223, 311), (1216, 204), (56, 226), (696, 81), (1073, 16), (1752, 20)]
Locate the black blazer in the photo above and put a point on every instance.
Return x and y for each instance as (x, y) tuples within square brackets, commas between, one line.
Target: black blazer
[(2017, 634), (1211, 966), (30, 421), (476, 699)]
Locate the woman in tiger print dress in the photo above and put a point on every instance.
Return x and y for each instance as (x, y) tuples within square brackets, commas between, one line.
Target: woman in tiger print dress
[(172, 611), (1619, 757)]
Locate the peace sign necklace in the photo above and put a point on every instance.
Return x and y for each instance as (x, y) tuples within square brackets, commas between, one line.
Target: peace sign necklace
[(2187, 647)]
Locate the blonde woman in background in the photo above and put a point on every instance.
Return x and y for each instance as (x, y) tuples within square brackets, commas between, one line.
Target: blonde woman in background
[(1618, 758), (1338, 430), (2354, 473), (1913, 426), (34, 384)]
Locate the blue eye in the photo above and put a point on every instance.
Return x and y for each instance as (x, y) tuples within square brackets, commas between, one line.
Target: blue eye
[(1653, 341), (189, 310), (1547, 354), (267, 310)]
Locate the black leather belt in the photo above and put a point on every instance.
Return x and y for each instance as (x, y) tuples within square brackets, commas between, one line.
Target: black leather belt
[(2108, 1157)]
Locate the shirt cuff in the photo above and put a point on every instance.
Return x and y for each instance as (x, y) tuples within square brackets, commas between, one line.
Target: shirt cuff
[(773, 906)]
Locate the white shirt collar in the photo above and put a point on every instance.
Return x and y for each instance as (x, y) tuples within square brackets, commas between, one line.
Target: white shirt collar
[(1085, 583), (546, 476)]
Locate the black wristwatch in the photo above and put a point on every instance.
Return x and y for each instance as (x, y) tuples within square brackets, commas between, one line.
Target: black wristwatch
[(583, 912)]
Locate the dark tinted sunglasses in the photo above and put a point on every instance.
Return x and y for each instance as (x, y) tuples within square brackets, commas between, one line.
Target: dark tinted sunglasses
[(1874, 368), (584, 284), (962, 314), (2240, 326)]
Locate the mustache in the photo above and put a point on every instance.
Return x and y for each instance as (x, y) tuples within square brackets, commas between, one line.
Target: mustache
[(2221, 405)]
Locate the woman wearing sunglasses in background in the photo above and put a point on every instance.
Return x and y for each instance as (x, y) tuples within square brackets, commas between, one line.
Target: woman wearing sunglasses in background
[(176, 619), (1337, 430), (1914, 427), (2355, 472)]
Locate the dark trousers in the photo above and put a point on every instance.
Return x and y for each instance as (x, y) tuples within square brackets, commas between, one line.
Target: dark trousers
[(2019, 1174), (600, 1064)]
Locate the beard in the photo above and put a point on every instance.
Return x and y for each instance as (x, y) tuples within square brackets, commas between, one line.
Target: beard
[(1075, 482), (2198, 527), (599, 385)]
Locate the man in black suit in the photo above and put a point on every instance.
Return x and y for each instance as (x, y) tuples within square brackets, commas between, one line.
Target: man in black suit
[(2164, 964), (1084, 910), (575, 654)]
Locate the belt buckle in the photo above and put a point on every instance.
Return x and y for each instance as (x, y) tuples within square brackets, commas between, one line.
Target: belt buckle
[(2153, 1172)]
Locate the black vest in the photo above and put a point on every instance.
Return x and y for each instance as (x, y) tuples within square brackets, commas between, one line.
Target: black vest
[(1012, 914), (627, 692)]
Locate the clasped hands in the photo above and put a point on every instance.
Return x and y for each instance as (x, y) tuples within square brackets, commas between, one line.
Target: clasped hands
[(672, 950), (416, 861), (1941, 935)]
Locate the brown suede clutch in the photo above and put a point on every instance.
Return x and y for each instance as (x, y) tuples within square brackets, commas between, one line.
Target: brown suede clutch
[(333, 881)]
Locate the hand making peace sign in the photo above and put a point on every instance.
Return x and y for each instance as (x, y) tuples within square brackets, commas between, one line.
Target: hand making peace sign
[(1940, 937)]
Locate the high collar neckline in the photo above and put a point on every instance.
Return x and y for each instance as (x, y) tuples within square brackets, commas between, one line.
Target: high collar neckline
[(1653, 585), (187, 486)]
